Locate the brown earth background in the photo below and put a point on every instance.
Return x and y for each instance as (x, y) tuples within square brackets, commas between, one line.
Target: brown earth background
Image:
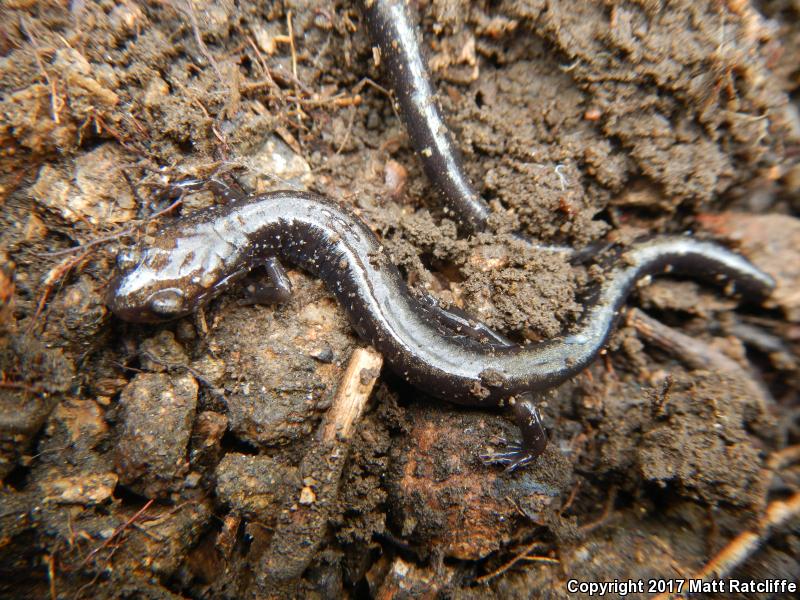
[(182, 460)]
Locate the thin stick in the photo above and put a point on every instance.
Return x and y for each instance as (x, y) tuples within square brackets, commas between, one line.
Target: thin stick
[(348, 132), (742, 546), (291, 43), (542, 559), (609, 507), (117, 531), (572, 495), (351, 397), (506, 566), (294, 60), (199, 38), (301, 527), (55, 275), (56, 103), (693, 352), (51, 575), (113, 236)]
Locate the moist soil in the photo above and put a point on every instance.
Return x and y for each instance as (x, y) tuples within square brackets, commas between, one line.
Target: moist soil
[(183, 460)]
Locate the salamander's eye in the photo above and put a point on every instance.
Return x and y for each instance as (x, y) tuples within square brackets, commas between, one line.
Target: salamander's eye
[(167, 303), (127, 259)]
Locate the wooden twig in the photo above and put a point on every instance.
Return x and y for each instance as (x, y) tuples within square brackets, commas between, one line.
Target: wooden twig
[(51, 575), (571, 498), (199, 39), (542, 559), (292, 48), (695, 353), (117, 531), (16, 385), (506, 566), (113, 236), (53, 276), (347, 133), (56, 103), (607, 510), (351, 397), (783, 457), (745, 544), (262, 63), (302, 526)]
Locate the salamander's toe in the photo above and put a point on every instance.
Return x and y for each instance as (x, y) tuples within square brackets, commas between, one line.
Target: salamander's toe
[(515, 458)]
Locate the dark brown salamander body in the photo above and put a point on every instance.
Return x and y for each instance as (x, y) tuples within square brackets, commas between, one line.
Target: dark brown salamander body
[(393, 32), (199, 256)]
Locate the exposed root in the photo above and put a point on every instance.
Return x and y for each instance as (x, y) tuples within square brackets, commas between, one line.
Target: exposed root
[(778, 513)]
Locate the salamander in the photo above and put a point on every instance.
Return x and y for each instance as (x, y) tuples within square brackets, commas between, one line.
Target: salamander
[(392, 31), (198, 256)]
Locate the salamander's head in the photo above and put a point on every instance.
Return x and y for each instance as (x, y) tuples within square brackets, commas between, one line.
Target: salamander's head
[(168, 278)]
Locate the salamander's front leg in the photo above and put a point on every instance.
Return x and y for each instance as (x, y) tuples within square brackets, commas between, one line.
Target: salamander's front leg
[(534, 436), (218, 187), (276, 288), (222, 189)]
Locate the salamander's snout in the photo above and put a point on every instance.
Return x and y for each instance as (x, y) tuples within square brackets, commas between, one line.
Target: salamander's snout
[(145, 306), (119, 303), (141, 293)]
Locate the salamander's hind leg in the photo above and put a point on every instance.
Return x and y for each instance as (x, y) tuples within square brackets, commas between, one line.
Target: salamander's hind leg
[(459, 322), (275, 288), (534, 437)]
